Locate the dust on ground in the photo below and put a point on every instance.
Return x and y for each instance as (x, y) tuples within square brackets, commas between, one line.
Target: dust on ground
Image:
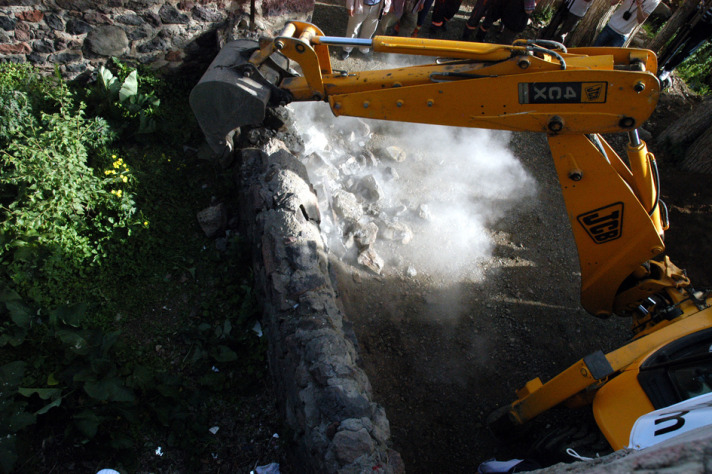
[(441, 355)]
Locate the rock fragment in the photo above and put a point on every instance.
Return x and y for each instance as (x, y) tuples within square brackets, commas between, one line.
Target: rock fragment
[(371, 260)]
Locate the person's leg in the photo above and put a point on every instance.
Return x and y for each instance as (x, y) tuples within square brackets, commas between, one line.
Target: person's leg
[(422, 14), (352, 29), (408, 23), (608, 37), (494, 13), (473, 22), (438, 18), (385, 23), (369, 24), (452, 7)]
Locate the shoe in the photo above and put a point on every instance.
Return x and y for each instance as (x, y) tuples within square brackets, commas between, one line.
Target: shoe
[(343, 54), (466, 34), (367, 56), (415, 32), (435, 29), (664, 78)]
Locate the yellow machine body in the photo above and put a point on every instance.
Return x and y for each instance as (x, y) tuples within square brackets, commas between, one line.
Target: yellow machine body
[(613, 204)]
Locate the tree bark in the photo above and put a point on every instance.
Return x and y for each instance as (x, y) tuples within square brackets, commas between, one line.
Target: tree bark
[(688, 127), (595, 19), (699, 156), (677, 21)]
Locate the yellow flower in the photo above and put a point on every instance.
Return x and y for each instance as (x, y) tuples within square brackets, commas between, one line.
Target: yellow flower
[(113, 156), (124, 179), (145, 223)]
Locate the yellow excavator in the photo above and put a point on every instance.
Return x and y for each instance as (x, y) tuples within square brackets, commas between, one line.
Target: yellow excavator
[(614, 204)]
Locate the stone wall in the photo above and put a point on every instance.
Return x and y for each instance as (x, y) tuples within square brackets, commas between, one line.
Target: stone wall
[(170, 35), (323, 393)]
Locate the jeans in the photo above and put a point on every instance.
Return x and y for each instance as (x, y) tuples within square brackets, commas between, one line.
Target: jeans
[(608, 37)]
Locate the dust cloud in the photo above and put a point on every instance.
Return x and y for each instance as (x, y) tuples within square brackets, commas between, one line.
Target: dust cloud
[(432, 190)]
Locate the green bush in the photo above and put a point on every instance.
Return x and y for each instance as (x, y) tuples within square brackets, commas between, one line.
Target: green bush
[(695, 70), (63, 197), (92, 210)]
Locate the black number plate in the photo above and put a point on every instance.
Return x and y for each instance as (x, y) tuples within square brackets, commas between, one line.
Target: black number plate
[(562, 92)]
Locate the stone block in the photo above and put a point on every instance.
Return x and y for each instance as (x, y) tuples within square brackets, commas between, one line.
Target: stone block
[(107, 41)]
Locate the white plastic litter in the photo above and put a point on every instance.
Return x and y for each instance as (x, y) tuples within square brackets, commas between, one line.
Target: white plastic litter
[(272, 468), (257, 329), (214, 429), (159, 451), (108, 471)]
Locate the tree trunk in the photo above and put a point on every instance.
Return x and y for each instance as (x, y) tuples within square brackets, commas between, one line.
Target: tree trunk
[(688, 127), (595, 19), (677, 21), (544, 4), (699, 156)]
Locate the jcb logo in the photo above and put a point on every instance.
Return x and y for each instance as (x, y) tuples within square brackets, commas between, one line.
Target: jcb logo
[(593, 93), (604, 224)]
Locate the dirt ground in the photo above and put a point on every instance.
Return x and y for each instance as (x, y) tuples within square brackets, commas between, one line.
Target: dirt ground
[(441, 355)]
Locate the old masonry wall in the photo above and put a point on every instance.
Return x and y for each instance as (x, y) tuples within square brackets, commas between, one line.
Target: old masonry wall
[(169, 35)]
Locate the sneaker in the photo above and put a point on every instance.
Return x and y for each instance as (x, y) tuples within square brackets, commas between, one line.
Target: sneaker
[(343, 54)]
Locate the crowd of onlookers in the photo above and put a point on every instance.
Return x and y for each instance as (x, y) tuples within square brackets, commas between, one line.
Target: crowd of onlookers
[(407, 17)]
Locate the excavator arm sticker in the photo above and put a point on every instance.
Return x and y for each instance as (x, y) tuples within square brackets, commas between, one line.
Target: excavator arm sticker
[(562, 92), (604, 224)]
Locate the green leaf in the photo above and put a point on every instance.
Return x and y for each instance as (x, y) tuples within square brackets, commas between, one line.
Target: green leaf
[(18, 420), (130, 87), (74, 341), (8, 450), (109, 389), (20, 314), (87, 422), (44, 393), (224, 354), (108, 81), (11, 375), (49, 406), (71, 315)]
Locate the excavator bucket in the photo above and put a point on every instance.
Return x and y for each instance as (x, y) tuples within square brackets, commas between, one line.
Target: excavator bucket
[(233, 92)]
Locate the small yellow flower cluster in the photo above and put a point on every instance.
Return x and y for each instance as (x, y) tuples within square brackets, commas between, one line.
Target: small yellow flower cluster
[(119, 169)]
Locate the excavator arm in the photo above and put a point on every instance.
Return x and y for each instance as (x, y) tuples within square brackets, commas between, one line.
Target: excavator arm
[(573, 96)]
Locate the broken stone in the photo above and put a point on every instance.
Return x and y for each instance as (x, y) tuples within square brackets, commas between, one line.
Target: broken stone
[(367, 158), (346, 205), (395, 153), (424, 212), (400, 209), (371, 260), (411, 271), (397, 231), (212, 220), (390, 174), (350, 445), (364, 234), (369, 189), (350, 166)]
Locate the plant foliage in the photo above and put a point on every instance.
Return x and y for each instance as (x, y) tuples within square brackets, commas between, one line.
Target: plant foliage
[(93, 226)]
